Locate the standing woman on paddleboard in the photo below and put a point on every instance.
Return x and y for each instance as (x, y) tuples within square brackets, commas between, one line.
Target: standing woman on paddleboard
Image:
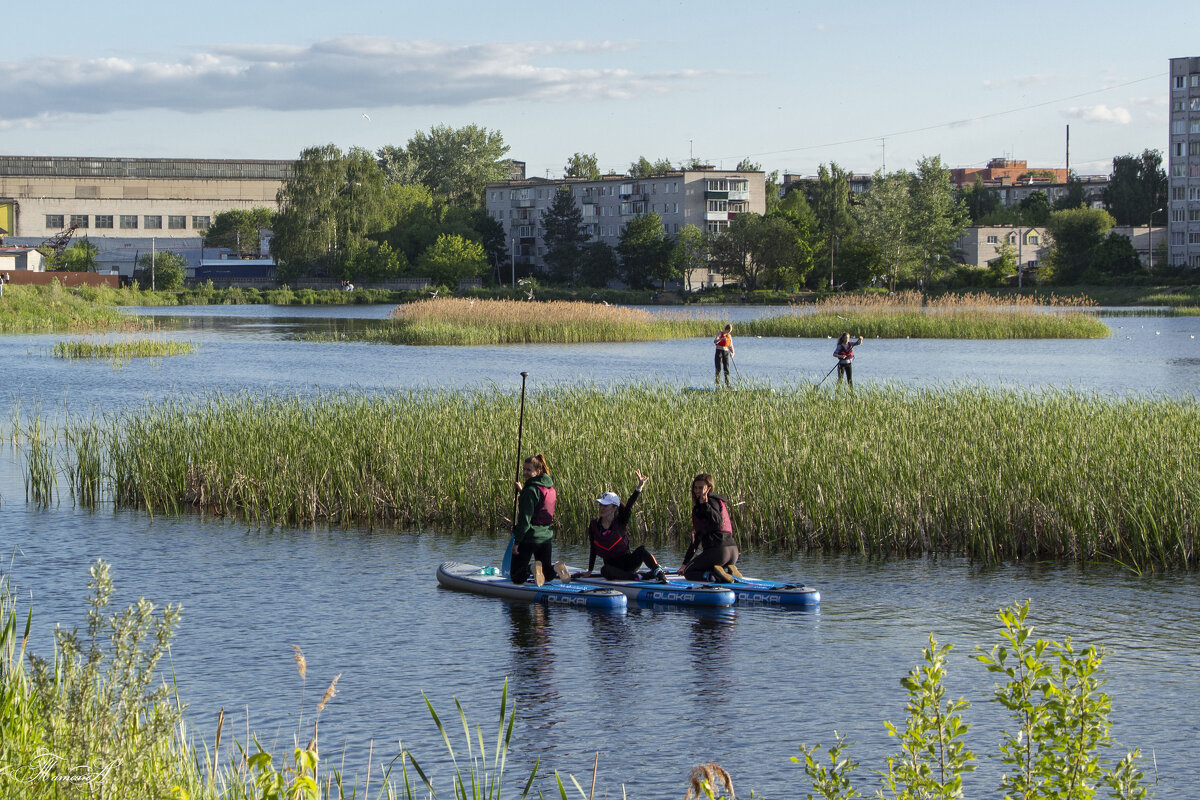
[(609, 535), (712, 534), (844, 353), (533, 531), (724, 352)]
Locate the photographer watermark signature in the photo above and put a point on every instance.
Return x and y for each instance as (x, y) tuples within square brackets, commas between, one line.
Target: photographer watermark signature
[(47, 766)]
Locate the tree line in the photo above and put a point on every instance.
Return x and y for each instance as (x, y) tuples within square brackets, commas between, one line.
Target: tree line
[(418, 210)]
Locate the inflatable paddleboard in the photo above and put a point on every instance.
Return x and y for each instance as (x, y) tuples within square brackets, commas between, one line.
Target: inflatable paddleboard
[(488, 581), (756, 591), (677, 592)]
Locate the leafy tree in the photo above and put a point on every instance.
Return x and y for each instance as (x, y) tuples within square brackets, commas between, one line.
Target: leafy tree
[(582, 165), (780, 250), (1116, 256), (79, 257), (1035, 209), (1138, 186), (690, 252), (747, 165), (598, 264), (396, 165), (831, 207), (1003, 265), (563, 234), (238, 229), (329, 209), (451, 259), (642, 168), (1077, 233), (643, 248), (1074, 197), (491, 236), (163, 271), (885, 225), (457, 163), (937, 216), (733, 251), (979, 200)]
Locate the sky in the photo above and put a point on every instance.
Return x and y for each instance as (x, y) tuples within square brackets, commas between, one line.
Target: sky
[(788, 85)]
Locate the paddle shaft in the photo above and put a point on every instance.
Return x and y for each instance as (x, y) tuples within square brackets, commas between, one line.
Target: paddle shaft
[(827, 374), (520, 434)]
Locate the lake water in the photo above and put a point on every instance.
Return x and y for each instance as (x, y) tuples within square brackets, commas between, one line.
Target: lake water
[(654, 691)]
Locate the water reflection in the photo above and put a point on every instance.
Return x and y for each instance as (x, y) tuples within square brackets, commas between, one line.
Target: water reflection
[(710, 646), (532, 659)]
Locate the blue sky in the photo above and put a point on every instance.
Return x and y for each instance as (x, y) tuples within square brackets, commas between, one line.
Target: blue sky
[(789, 84)]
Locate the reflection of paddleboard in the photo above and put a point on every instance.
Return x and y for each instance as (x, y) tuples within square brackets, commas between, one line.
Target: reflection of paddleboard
[(684, 593), (489, 581)]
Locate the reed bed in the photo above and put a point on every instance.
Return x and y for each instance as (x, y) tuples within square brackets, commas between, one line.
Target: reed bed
[(122, 350), (996, 475), (460, 321), (43, 309)]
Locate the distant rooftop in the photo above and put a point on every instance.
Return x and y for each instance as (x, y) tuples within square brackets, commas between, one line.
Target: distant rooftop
[(202, 168)]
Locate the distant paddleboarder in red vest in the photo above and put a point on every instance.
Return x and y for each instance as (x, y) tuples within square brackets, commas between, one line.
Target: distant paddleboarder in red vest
[(724, 343), (533, 529), (844, 353), (712, 534)]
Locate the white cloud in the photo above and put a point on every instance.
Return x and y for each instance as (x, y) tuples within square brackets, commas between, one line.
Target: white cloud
[(345, 72), (1100, 113)]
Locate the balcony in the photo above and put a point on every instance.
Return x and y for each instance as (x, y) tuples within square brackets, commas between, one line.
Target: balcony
[(525, 203), (711, 216), (742, 194), (710, 195)]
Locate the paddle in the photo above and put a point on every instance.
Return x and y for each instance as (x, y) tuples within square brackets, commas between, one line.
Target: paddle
[(827, 374), (506, 567), (736, 371)]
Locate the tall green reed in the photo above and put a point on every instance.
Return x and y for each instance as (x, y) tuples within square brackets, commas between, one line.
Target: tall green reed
[(996, 475)]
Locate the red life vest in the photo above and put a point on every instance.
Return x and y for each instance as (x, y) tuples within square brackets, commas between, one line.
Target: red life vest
[(544, 515), (611, 542)]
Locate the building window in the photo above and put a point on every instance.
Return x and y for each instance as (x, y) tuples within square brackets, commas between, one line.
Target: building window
[(1177, 237), (1194, 238), (1178, 193), (1033, 238), (201, 223), (176, 222), (152, 221), (1194, 126), (129, 221), (104, 221), (54, 221), (717, 226), (1194, 104), (1193, 215), (1194, 148), (993, 240), (1178, 126), (1177, 170), (1177, 215), (718, 205), (1195, 79), (1177, 149), (79, 220), (1179, 82)]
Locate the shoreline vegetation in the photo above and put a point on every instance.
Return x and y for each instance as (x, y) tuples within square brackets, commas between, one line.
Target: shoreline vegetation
[(995, 475), (121, 350), (103, 718), (462, 321), (51, 308)]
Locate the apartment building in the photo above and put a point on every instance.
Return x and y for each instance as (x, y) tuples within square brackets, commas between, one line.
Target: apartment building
[(1183, 163), (980, 244), (706, 198)]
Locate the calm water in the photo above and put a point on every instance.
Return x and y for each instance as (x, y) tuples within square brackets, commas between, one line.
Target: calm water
[(653, 690)]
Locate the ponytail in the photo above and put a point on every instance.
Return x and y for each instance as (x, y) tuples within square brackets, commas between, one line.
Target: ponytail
[(539, 461)]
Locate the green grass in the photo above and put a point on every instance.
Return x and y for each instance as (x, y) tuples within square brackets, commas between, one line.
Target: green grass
[(44, 309), (119, 351), (996, 475)]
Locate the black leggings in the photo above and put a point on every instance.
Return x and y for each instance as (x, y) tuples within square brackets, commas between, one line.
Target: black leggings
[(845, 368), (721, 359), (624, 567), (713, 556), (525, 552)]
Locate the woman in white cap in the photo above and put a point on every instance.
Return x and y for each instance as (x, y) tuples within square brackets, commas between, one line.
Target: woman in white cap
[(609, 535)]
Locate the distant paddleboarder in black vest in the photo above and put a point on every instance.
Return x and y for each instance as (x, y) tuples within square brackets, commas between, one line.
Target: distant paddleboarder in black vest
[(844, 353), (724, 352), (712, 534)]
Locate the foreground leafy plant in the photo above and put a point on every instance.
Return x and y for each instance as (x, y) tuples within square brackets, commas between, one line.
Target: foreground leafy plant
[(1062, 725)]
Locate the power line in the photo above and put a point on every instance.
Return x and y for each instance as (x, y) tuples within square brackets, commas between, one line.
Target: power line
[(954, 123)]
